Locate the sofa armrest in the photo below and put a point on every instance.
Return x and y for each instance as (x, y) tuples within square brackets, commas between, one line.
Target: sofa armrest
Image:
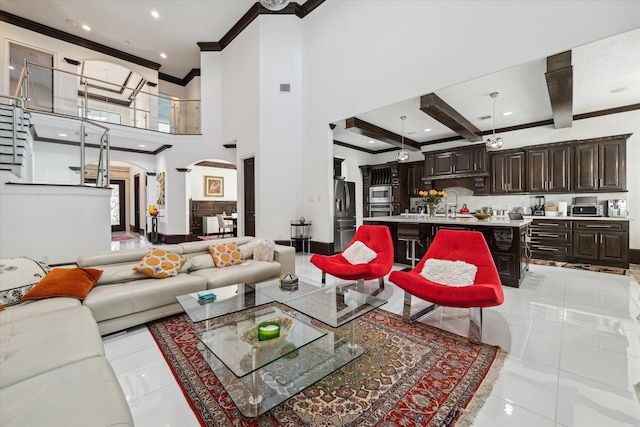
[(286, 256)]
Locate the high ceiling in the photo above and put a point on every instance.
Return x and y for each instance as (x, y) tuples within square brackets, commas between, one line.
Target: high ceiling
[(129, 27), (606, 74)]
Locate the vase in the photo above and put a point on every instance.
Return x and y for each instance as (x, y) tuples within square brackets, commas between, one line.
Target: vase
[(432, 211)]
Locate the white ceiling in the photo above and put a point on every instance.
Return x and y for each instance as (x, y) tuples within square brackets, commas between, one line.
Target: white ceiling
[(598, 68)]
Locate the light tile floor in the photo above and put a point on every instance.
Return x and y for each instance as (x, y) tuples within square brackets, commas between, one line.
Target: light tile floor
[(573, 339)]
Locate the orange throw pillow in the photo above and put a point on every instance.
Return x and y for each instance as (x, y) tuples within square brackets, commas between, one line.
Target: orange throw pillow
[(226, 255), (160, 264), (65, 282)]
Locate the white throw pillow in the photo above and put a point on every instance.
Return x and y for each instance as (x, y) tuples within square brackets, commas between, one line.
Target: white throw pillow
[(450, 273), (359, 253), (263, 250)]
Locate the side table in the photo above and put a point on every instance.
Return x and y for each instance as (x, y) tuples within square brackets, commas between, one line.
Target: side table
[(301, 231)]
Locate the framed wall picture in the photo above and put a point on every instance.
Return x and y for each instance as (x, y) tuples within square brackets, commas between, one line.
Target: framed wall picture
[(161, 190), (214, 186)]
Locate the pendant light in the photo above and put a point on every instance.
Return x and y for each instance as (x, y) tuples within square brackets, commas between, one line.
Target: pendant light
[(403, 156), (494, 143), (274, 5)]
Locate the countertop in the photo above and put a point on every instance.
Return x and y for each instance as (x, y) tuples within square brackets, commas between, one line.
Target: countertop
[(462, 220), (581, 218)]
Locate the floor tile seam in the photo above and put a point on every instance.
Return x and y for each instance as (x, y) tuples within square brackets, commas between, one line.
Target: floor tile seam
[(510, 402), (137, 350), (162, 389), (626, 353), (510, 325), (592, 380)]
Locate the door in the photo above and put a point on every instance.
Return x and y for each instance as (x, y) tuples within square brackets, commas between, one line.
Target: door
[(585, 244), (39, 88), (515, 178), (118, 216), (136, 202), (463, 161), (249, 197), (499, 173), (611, 155), (537, 165), (558, 165), (613, 246), (586, 167)]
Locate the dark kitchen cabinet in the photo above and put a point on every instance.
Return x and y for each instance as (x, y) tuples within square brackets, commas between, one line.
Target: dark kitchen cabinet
[(551, 239), (466, 161), (415, 172), (549, 169), (600, 165), (601, 243), (507, 172)]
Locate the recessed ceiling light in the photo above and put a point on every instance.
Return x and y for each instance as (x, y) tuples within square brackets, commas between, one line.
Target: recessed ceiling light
[(619, 89), (507, 113), (163, 55), (155, 14), (86, 27), (71, 22), (427, 130), (372, 142), (11, 67), (62, 134), (141, 145)]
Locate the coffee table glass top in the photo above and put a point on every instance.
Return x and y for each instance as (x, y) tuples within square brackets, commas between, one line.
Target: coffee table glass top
[(226, 339), (229, 299)]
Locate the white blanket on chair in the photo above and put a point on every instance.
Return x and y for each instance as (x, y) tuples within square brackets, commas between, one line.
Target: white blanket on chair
[(450, 273)]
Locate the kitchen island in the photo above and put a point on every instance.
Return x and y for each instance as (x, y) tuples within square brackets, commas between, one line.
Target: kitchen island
[(507, 240)]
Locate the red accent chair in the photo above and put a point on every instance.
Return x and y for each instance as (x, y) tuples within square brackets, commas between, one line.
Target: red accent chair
[(453, 245), (378, 239)]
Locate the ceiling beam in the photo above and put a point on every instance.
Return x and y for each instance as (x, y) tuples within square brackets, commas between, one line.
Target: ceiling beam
[(432, 105), (559, 78), (369, 130)]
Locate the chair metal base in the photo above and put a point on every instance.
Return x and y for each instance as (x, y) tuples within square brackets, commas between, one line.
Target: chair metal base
[(359, 284), (475, 317)]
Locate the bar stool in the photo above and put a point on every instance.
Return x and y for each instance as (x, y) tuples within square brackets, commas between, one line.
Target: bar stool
[(410, 233)]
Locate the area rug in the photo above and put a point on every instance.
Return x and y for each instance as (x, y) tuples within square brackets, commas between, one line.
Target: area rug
[(122, 237), (587, 267), (411, 374)]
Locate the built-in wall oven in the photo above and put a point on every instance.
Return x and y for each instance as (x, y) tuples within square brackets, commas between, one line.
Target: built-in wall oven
[(380, 209), (380, 194)]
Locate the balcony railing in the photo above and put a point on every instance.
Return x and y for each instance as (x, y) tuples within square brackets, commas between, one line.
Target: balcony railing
[(52, 90)]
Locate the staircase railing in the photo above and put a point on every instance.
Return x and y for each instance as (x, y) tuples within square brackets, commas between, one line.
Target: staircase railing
[(104, 101)]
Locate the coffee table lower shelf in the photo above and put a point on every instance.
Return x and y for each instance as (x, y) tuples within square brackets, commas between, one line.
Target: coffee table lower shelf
[(269, 386)]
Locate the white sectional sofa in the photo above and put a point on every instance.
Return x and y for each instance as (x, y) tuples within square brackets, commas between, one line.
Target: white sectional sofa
[(52, 366)]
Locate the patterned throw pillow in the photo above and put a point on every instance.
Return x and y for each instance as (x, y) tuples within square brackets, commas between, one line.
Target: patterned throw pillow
[(226, 255), (160, 264), (17, 277), (263, 250)]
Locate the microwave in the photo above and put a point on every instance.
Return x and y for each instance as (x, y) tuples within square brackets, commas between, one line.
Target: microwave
[(587, 210), (380, 194)]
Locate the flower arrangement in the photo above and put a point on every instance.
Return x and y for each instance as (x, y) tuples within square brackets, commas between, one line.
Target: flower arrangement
[(432, 197)]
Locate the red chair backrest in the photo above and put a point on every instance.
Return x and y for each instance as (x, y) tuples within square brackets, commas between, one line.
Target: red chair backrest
[(377, 238)]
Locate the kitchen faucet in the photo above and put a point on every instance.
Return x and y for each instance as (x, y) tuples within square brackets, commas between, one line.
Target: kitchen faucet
[(451, 207)]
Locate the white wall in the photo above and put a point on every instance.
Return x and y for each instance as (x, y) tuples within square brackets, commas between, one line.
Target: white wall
[(81, 216)]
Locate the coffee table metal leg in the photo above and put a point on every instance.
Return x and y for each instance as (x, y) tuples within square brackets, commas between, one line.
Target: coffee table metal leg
[(255, 398)]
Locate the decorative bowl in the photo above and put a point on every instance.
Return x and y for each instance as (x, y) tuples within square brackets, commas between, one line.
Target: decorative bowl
[(483, 215), (250, 336)]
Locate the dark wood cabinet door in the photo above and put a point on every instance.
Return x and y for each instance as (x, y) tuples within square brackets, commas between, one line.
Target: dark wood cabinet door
[(585, 244), (537, 168), (614, 246), (429, 164), (611, 166), (463, 161), (365, 210), (498, 174), (444, 163), (415, 172), (559, 169), (586, 175), (480, 159), (515, 172)]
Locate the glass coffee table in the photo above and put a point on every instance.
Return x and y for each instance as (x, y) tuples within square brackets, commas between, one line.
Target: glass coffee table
[(259, 375)]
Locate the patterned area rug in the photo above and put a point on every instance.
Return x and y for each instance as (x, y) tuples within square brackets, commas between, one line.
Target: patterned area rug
[(588, 267), (122, 237), (411, 374)]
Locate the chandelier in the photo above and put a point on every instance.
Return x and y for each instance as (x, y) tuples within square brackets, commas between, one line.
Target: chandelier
[(274, 5), (494, 143), (403, 156)]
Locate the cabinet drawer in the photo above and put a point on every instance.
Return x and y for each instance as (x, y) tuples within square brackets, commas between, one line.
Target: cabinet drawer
[(563, 235), (600, 226), (544, 251), (549, 225)]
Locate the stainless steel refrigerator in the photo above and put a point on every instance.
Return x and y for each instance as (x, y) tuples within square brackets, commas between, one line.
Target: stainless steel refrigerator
[(344, 205)]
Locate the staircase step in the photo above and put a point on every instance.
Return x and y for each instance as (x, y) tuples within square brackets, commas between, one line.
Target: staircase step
[(7, 127), (9, 120), (15, 169), (7, 159), (8, 142), (4, 149)]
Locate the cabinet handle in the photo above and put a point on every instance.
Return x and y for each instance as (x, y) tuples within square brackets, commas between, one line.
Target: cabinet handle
[(547, 248), (475, 167), (599, 226), (601, 239), (600, 182), (595, 238), (547, 235)]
